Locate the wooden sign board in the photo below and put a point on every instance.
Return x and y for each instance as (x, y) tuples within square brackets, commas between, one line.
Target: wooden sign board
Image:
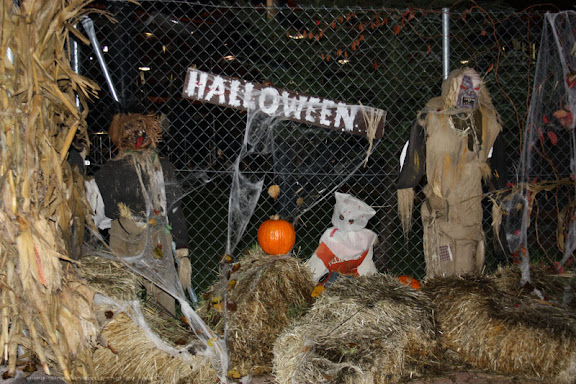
[(286, 105)]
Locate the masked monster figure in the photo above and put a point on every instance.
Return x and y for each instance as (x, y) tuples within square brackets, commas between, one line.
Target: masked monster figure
[(451, 143)]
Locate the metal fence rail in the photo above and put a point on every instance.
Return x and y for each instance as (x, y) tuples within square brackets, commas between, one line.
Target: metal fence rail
[(385, 58)]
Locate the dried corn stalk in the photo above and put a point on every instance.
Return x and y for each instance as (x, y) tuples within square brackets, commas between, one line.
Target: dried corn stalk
[(44, 308)]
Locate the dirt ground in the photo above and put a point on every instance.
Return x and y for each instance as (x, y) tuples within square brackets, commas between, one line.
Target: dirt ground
[(454, 377)]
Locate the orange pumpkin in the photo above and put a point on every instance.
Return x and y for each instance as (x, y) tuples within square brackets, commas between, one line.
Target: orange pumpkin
[(276, 236), (408, 280)]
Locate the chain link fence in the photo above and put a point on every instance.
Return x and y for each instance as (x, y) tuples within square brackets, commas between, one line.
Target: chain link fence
[(385, 58)]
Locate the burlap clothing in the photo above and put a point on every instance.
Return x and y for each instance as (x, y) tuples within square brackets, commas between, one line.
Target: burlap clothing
[(457, 145)]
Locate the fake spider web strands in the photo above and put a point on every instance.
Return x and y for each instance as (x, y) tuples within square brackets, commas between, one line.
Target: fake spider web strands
[(308, 164), (549, 129), (156, 263)]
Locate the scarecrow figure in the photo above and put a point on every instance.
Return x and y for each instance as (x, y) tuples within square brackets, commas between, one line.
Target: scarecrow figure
[(451, 142), (140, 194), (347, 247)]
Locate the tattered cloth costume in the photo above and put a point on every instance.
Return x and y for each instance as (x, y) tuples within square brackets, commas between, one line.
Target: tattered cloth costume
[(347, 247), (451, 142), (141, 195)]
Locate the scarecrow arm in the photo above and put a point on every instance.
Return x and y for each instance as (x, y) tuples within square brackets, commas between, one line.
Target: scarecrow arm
[(174, 205), (498, 164), (411, 171), (413, 166)]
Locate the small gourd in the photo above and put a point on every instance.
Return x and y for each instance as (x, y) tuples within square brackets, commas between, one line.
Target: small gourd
[(276, 236), (410, 281)]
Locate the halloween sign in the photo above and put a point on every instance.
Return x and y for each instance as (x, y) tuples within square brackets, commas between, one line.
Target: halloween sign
[(288, 105)]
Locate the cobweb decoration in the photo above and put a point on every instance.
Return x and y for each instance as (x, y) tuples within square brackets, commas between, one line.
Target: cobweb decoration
[(307, 163), (550, 124), (160, 269)]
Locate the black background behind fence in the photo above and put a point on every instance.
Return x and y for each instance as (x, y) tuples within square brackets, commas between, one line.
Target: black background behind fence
[(385, 58)]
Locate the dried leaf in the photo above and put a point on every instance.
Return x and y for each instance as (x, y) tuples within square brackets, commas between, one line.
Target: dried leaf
[(553, 137), (396, 29), (411, 14), (571, 78), (565, 118)]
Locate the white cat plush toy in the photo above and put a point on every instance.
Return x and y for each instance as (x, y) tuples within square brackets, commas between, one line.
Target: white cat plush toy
[(347, 247)]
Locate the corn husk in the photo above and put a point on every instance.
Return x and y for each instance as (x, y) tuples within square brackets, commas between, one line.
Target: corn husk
[(45, 309)]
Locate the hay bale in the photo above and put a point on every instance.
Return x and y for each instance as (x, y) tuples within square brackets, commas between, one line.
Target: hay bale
[(555, 287), (504, 333), (110, 278), (139, 341), (370, 329), (264, 294), (132, 356)]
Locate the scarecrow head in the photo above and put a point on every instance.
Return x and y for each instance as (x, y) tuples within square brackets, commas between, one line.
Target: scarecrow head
[(135, 132), (461, 90)]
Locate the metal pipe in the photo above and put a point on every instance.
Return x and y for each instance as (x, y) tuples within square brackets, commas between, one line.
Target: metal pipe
[(445, 42), (89, 28), (75, 62)]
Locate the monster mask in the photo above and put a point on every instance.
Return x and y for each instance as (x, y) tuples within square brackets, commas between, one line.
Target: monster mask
[(469, 92), (462, 89)]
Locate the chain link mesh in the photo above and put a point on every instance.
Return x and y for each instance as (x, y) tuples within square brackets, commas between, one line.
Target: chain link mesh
[(385, 58)]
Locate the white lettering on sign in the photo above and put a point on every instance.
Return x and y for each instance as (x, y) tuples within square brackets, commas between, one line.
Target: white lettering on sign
[(239, 94)]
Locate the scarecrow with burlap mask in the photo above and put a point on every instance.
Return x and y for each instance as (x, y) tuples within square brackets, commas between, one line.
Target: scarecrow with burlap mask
[(451, 143), (141, 196)]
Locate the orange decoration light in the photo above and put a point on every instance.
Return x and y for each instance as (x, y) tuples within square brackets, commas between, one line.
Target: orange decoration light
[(276, 236)]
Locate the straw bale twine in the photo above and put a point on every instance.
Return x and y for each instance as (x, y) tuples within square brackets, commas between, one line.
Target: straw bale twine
[(370, 329), (506, 333), (264, 295)]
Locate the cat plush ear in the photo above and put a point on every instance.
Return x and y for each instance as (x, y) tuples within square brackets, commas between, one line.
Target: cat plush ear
[(350, 213)]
